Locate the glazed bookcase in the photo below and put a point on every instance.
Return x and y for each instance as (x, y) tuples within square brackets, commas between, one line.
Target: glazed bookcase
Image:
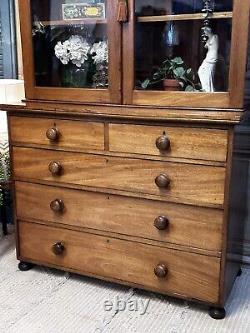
[(117, 175)]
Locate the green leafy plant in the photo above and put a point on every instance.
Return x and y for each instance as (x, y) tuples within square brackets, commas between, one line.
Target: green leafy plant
[(4, 171), (173, 69)]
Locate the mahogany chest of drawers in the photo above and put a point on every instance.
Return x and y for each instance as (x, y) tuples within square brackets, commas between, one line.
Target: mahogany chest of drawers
[(136, 202), (122, 154)]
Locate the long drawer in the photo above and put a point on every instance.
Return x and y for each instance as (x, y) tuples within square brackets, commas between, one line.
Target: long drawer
[(191, 275), (186, 183), (182, 142), (57, 133), (165, 222)]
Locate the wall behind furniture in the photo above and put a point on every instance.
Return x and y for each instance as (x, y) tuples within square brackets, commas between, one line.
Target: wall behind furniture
[(8, 65), (3, 126), (10, 91), (242, 154), (18, 44)]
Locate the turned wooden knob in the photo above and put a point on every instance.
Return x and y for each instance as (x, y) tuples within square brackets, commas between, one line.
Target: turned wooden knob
[(55, 168), (52, 134), (57, 206), (162, 181), (161, 223), (161, 271), (163, 143), (58, 248)]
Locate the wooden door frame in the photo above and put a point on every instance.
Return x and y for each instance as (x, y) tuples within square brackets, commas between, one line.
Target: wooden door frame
[(234, 98), (110, 95)]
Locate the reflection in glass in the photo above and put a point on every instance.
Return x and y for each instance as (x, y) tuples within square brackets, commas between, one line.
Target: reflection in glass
[(70, 43), (166, 7), (170, 52)]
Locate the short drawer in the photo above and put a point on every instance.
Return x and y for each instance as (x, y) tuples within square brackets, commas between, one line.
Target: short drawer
[(182, 142), (176, 181), (160, 221), (191, 275), (57, 133)]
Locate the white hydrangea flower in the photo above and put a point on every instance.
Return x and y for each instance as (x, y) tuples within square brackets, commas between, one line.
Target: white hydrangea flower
[(75, 49), (99, 52), (61, 53), (78, 49)]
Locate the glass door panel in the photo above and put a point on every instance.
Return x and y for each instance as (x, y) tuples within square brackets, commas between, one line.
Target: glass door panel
[(70, 43), (68, 48), (178, 49)]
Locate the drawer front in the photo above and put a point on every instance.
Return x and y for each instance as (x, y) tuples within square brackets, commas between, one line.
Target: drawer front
[(191, 275), (62, 133), (188, 183), (155, 220), (193, 143)]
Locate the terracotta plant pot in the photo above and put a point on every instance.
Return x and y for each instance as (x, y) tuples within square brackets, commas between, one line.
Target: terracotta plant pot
[(171, 85)]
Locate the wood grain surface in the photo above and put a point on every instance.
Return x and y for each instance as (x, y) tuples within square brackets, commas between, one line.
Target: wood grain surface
[(192, 275), (122, 215), (188, 183), (193, 143), (72, 134), (130, 113)]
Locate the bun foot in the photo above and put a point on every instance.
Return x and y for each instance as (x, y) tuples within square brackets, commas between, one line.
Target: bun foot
[(240, 272), (217, 313), (25, 266)]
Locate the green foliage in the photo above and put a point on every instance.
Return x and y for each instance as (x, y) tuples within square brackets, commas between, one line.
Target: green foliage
[(4, 171), (1, 198), (173, 69)]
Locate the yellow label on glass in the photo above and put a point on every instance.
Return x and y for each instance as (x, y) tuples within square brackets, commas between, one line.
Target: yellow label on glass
[(92, 11)]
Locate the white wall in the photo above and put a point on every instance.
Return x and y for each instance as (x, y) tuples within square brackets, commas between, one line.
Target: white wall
[(3, 123), (11, 92)]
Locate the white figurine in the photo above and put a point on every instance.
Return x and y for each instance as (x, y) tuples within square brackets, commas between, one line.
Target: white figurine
[(206, 71)]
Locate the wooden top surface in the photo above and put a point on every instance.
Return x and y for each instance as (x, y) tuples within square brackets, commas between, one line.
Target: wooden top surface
[(220, 116)]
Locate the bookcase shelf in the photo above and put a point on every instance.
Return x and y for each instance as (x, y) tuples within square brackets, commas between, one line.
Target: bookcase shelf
[(72, 22), (183, 17)]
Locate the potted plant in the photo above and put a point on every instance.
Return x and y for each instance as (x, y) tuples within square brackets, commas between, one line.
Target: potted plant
[(174, 75)]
